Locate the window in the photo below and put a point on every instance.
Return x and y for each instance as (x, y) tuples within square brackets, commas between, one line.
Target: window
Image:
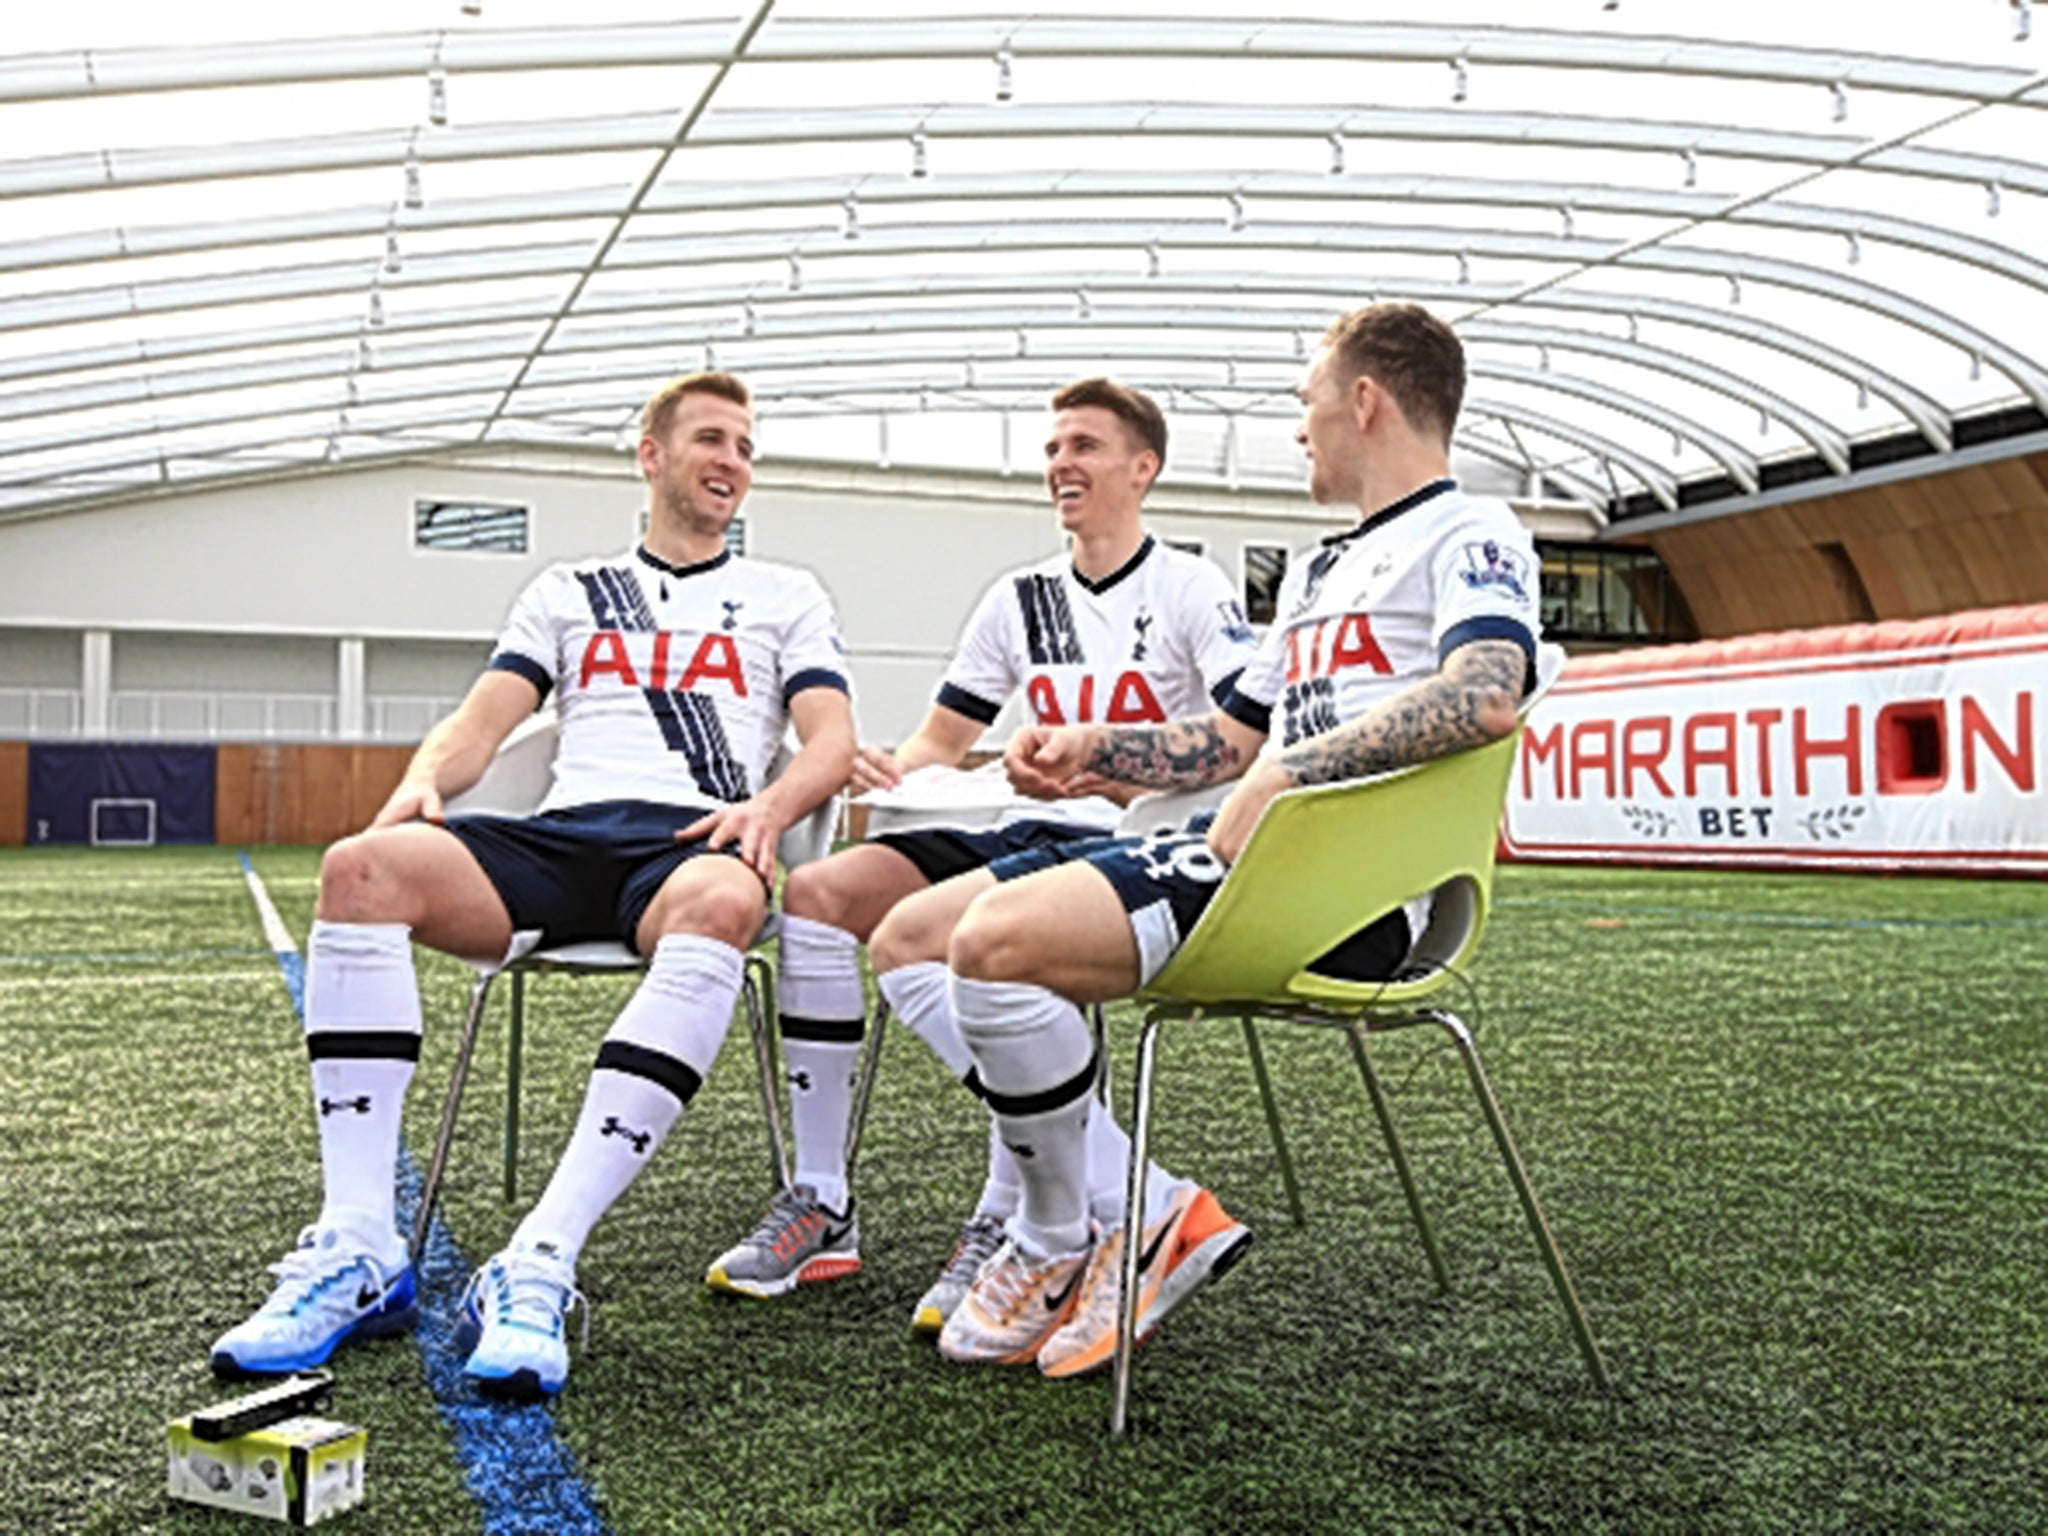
[(1603, 592), (1264, 566), (736, 536), (474, 525)]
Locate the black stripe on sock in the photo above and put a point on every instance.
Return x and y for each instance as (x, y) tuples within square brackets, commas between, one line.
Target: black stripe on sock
[(1079, 1086), (363, 1045), (972, 1083), (831, 1031), (679, 1078)]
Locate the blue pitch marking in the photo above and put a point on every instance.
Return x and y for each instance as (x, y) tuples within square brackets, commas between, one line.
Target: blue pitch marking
[(522, 1477), (1771, 919)]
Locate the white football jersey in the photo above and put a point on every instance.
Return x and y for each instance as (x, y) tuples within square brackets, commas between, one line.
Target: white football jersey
[(1378, 608), (674, 681), (1160, 638)]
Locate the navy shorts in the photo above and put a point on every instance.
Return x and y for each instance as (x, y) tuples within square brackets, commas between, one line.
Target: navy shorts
[(940, 853), (1166, 880), (585, 872)]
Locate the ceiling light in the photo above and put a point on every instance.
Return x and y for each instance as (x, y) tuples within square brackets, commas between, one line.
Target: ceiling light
[(796, 272), (392, 260), (415, 194), (2022, 21), (1461, 78), (1006, 80), (920, 166), (1841, 96), (1994, 198), (1023, 343), (333, 451), (1734, 289), (1082, 307), (1976, 366), (851, 228), (1692, 167), (1633, 331), (1564, 215), (1300, 348), (882, 442), (1763, 422), (1855, 248), (377, 308), (710, 358), (472, 7), (1235, 217), (747, 318), (363, 359), (437, 96), (1542, 357), (1152, 258), (1464, 267), (967, 374), (1862, 395), (924, 398), (1336, 151)]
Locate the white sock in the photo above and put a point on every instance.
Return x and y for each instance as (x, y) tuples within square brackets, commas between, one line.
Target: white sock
[(363, 1041), (651, 1063), (1001, 1190), (1036, 1058), (1109, 1172), (919, 994), (823, 1019)]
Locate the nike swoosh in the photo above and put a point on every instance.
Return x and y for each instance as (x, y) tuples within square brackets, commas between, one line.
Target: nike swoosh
[(368, 1297), (1152, 1249), (833, 1234), (1059, 1298)]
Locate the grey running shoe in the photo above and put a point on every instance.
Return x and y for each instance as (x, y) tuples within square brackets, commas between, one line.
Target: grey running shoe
[(979, 1239), (799, 1242)]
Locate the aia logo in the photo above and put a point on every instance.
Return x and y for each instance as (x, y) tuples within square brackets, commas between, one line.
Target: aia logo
[(1131, 699), (610, 653), (1330, 646)]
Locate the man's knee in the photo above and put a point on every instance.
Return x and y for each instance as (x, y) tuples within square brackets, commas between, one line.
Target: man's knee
[(357, 884), (915, 930), (820, 892), (992, 940), (728, 910)]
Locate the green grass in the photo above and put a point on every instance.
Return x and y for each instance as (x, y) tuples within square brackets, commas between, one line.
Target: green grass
[(1792, 1132)]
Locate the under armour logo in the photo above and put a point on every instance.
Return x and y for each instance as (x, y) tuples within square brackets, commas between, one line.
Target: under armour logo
[(801, 1079), (732, 610), (335, 1106), (640, 1139), (1022, 1149)]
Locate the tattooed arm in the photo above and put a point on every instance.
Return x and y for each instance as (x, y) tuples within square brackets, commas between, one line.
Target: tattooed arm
[(1051, 761), (1471, 701)]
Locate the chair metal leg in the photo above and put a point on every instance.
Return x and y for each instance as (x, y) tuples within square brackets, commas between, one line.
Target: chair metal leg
[(1553, 1260), (1141, 1152), (756, 988), (430, 1190), (864, 1082), (515, 1058), (1378, 1094), (1272, 1108), (1103, 1084)]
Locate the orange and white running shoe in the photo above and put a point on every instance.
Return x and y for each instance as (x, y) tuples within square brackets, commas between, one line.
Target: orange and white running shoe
[(1014, 1305), (1196, 1240)]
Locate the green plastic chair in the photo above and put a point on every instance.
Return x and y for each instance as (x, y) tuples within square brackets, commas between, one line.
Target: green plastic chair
[(1322, 864)]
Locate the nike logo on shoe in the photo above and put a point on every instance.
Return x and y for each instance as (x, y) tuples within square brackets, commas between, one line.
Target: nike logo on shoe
[(1058, 1299), (1152, 1249), (833, 1234), (368, 1297)]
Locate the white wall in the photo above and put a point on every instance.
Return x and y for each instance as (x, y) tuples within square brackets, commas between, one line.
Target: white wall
[(251, 589)]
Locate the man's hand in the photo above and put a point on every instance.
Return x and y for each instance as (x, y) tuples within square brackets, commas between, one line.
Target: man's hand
[(1236, 817), (1042, 759), (1116, 791), (755, 825), (874, 768), (410, 802)]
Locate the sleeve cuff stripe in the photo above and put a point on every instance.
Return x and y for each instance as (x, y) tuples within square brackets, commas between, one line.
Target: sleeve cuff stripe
[(814, 677), (961, 702), (526, 667), (1249, 712)]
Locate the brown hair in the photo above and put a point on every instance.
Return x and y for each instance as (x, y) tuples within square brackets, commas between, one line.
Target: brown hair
[(1409, 353), (654, 419), (1138, 411)]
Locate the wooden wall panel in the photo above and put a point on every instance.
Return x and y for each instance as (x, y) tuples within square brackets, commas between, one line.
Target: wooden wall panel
[(307, 793), (13, 793), (1969, 538)]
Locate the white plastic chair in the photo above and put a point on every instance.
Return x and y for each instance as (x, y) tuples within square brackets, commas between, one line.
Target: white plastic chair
[(514, 785)]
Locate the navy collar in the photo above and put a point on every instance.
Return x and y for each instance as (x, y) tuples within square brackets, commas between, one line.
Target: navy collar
[(1117, 575), (648, 557), (1394, 509)]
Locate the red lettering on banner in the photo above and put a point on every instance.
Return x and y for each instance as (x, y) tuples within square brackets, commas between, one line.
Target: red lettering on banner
[(1355, 646), (1698, 756), (2015, 757), (606, 653), (1045, 701), (1848, 747), (1584, 758), (1649, 760), (1538, 749), (1134, 700), (717, 657), (1764, 720)]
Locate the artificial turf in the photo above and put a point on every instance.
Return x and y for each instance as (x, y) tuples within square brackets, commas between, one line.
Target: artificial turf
[(1792, 1133)]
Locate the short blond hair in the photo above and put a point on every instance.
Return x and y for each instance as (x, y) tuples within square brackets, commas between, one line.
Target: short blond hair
[(1411, 354), (656, 414)]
